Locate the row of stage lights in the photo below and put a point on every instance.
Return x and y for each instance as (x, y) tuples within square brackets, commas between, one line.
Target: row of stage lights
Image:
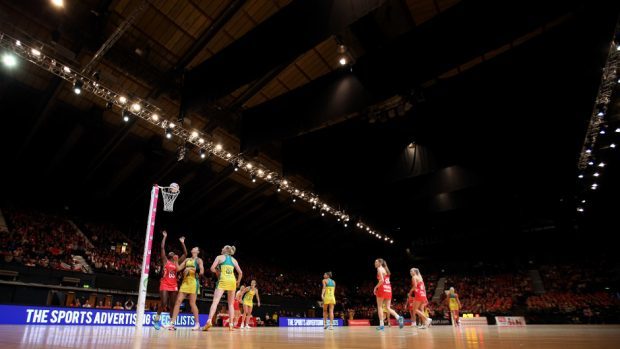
[(134, 107), (601, 139)]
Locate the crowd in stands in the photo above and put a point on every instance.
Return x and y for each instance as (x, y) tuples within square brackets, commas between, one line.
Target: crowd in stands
[(42, 240)]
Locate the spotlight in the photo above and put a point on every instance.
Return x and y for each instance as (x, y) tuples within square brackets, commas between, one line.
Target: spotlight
[(294, 200), (155, 117), (618, 130), (583, 201), (18, 43), (122, 99), (342, 61), (58, 3), (345, 225), (588, 151), (261, 173), (66, 69), (194, 134), (322, 214), (35, 52), (218, 147), (228, 155), (171, 125), (602, 132), (126, 115), (314, 207), (202, 153), (602, 164), (254, 180), (168, 132), (580, 176), (136, 107), (590, 163), (596, 174), (279, 189), (77, 87), (9, 60), (600, 110), (201, 140), (612, 145), (285, 182), (269, 176), (338, 219), (391, 241), (236, 168), (249, 166)]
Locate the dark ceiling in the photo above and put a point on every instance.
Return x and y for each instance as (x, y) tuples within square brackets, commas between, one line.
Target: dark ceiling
[(460, 119)]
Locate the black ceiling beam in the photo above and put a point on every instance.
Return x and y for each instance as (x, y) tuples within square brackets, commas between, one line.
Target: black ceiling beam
[(219, 178), (461, 33), (244, 200), (279, 40), (199, 44), (256, 87)]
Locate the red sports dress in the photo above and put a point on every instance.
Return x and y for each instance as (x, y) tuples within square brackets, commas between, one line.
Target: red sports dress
[(168, 280), (420, 292), (385, 290)]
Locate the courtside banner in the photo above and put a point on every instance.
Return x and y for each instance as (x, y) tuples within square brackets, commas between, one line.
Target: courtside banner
[(305, 322), (510, 320), (359, 322), (25, 315)]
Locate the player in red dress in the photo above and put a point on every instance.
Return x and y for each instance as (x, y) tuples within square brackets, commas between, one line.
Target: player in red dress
[(168, 287), (419, 301), (383, 292), (236, 306)]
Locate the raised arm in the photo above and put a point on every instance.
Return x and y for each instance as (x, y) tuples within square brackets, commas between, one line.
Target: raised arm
[(164, 260), (184, 255), (238, 272)]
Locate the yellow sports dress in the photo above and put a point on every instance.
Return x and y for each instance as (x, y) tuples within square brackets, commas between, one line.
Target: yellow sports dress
[(330, 292), (190, 283), (227, 280), (453, 304), (248, 298)]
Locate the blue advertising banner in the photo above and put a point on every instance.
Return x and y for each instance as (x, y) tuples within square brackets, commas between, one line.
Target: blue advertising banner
[(305, 322), (26, 315)]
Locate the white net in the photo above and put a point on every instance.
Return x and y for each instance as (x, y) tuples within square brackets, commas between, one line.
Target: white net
[(170, 194)]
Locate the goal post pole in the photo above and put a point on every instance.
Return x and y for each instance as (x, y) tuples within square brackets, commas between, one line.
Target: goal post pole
[(146, 257)]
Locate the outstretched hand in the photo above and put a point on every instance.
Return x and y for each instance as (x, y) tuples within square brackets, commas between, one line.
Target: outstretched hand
[(182, 239), (164, 233)]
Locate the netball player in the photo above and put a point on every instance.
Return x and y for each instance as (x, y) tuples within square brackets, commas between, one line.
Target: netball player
[(224, 267), (238, 296), (454, 304), (168, 284), (419, 301), (248, 303), (328, 294), (190, 287), (383, 293)]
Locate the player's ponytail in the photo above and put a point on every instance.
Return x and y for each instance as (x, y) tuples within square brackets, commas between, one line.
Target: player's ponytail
[(383, 263)]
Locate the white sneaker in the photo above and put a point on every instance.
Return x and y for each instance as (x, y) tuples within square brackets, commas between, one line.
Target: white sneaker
[(429, 322), (331, 328), (196, 328)]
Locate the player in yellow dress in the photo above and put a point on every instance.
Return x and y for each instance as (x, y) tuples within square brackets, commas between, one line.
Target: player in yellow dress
[(189, 287), (248, 303), (328, 294), (454, 304), (224, 267)]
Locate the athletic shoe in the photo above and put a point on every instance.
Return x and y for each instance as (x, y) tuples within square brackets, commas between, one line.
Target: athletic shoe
[(401, 322), (196, 328), (325, 327), (429, 322), (171, 328), (157, 324), (381, 328), (207, 326), (331, 328)]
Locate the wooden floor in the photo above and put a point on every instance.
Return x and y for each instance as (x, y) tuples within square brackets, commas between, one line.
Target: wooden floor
[(562, 337)]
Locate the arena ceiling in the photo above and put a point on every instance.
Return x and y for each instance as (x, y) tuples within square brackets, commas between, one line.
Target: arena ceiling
[(449, 116)]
